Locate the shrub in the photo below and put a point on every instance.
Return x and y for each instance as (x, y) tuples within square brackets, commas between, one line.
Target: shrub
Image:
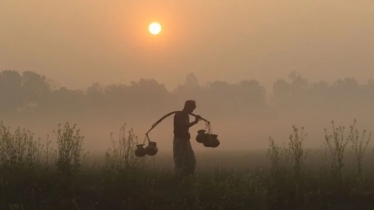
[(19, 148), (70, 148), (334, 145), (122, 155), (359, 145), (283, 158)]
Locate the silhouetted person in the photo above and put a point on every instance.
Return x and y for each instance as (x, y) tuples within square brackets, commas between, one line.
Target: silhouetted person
[(184, 157)]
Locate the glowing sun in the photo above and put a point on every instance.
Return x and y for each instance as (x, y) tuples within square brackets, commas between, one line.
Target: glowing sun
[(154, 28)]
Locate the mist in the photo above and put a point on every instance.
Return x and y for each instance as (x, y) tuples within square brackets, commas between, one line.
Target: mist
[(83, 42), (244, 114), (287, 86), (255, 68)]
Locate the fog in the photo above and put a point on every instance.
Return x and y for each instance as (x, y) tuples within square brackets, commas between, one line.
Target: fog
[(255, 68), (244, 114), (78, 43)]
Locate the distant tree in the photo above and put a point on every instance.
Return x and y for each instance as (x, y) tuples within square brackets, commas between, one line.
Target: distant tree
[(234, 99), (35, 90), (218, 95), (290, 95), (297, 81), (11, 96), (116, 95), (252, 92), (27, 92), (347, 93), (95, 96), (191, 81), (66, 101), (282, 93), (318, 96), (148, 90), (348, 86), (190, 89), (146, 96)]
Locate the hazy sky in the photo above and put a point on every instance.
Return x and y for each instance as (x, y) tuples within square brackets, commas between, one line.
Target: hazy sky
[(80, 42)]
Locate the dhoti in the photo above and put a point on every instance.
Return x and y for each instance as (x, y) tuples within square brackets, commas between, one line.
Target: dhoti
[(184, 157)]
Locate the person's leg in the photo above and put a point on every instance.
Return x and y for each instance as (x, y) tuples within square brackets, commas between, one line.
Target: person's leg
[(179, 154), (190, 159)]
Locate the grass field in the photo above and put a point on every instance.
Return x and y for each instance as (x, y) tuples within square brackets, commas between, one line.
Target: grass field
[(338, 175)]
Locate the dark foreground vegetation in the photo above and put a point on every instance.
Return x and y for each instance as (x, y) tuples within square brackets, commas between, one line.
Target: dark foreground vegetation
[(36, 176)]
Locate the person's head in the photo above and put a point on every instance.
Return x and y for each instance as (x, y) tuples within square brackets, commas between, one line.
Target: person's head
[(189, 106)]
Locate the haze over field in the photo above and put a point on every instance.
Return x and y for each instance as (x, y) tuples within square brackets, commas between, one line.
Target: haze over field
[(241, 114), (77, 44)]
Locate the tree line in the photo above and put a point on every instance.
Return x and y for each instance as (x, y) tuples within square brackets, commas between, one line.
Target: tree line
[(29, 93)]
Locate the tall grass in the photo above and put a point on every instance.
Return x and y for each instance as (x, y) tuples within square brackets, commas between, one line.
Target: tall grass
[(289, 156), (70, 148), (336, 143), (122, 155), (359, 146), (126, 182), (19, 148)]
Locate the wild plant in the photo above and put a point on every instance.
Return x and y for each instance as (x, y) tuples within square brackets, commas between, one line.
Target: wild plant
[(48, 152), (279, 159), (359, 145), (19, 148), (295, 146), (335, 144), (122, 156), (70, 148), (283, 158)]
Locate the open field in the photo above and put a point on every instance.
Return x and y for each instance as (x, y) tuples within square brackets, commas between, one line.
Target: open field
[(34, 176)]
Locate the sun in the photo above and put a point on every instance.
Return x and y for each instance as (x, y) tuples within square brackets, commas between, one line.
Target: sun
[(154, 28)]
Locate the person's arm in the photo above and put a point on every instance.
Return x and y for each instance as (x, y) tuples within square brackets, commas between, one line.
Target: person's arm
[(192, 123), (197, 118), (180, 122)]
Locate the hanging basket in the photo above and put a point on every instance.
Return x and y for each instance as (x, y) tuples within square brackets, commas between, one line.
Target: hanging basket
[(201, 136), (140, 150), (151, 149)]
